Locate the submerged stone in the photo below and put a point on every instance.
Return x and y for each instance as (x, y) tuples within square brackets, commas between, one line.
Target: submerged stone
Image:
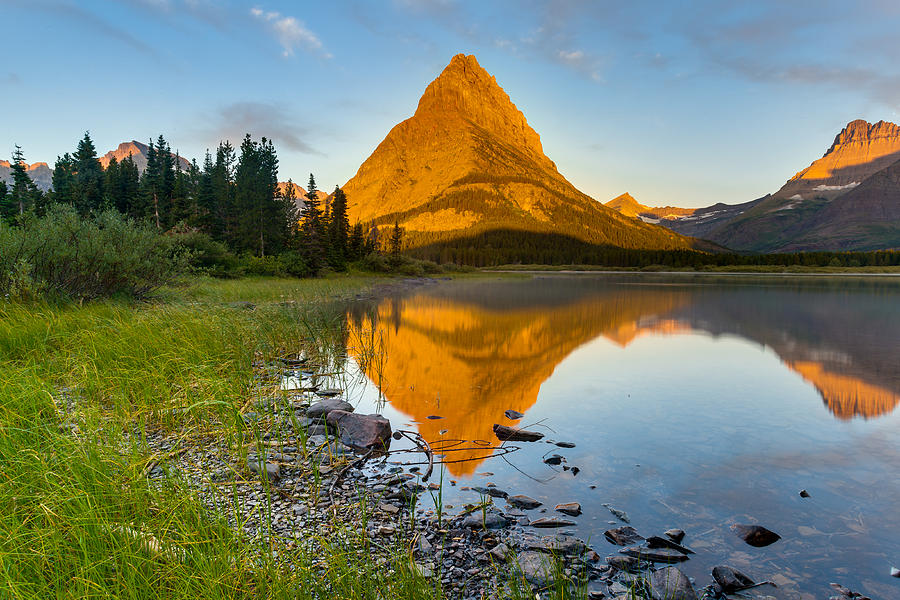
[(730, 579), (671, 584), (755, 535)]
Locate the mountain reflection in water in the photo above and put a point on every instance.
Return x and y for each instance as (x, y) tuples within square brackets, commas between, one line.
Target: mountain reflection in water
[(468, 351)]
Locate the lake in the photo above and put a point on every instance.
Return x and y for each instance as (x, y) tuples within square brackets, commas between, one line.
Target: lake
[(693, 401)]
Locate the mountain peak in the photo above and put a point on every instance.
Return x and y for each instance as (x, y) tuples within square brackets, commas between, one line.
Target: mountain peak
[(467, 161), (861, 131), (464, 89)]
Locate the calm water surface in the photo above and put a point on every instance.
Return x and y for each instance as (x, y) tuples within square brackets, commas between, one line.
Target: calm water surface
[(694, 402)]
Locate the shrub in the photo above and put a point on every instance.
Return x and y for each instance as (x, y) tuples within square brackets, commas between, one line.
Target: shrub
[(81, 258), (205, 255)]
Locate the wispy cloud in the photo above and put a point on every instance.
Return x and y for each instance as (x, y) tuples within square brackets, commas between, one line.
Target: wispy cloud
[(290, 32), (259, 119), (74, 13)]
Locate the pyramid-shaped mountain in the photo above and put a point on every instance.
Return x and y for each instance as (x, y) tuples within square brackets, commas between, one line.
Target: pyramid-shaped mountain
[(467, 162)]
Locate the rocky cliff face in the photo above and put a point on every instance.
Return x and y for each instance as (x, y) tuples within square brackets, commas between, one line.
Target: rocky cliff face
[(138, 153), (627, 205), (859, 151), (40, 172), (468, 160)]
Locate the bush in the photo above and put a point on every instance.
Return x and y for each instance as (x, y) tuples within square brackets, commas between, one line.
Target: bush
[(205, 255), (63, 254)]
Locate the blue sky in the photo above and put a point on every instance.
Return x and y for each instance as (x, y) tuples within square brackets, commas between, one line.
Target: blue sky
[(684, 103)]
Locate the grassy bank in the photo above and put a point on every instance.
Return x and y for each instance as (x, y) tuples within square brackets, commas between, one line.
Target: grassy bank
[(80, 389)]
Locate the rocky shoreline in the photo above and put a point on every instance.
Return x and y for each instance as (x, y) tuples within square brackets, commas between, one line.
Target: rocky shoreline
[(312, 472)]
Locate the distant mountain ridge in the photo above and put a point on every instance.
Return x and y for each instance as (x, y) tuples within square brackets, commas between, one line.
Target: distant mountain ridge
[(847, 200), (138, 153), (467, 162), (40, 173)]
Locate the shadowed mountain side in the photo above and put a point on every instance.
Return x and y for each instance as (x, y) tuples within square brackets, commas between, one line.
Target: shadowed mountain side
[(489, 245), (467, 158), (468, 364)]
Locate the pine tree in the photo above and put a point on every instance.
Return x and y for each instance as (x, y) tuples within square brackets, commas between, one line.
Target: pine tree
[(356, 243), (396, 244), (223, 215), (64, 188), (127, 198), (311, 228), (23, 192), (338, 231), (88, 177), (7, 206), (263, 224), (111, 184)]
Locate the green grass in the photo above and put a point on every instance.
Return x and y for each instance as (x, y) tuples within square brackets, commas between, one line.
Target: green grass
[(80, 386)]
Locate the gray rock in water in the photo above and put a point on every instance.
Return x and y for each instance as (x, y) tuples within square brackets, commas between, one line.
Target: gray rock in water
[(537, 568), (573, 509), (730, 579), (804, 494), (551, 522), (654, 541), (671, 584), (489, 520), (271, 470), (362, 432), (623, 536), (328, 393), (513, 415), (895, 572), (512, 434), (755, 535), (554, 460), (620, 514), (321, 409), (523, 501), (660, 555), (565, 444), (676, 535), (623, 563), (492, 492), (557, 544)]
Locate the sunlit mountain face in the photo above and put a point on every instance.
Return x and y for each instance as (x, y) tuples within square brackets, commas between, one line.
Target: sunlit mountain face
[(468, 351)]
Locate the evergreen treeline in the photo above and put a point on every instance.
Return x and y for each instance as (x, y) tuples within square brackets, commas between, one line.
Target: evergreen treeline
[(509, 246), (233, 198)]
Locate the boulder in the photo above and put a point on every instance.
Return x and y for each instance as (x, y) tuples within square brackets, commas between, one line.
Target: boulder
[(730, 579), (660, 555), (573, 509), (654, 541), (623, 563), (361, 432), (755, 535), (551, 522), (537, 568), (523, 501), (487, 520), (676, 535), (671, 584), (557, 544), (321, 409), (511, 434), (623, 536)]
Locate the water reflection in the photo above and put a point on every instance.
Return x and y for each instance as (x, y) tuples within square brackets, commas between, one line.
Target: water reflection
[(468, 351)]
